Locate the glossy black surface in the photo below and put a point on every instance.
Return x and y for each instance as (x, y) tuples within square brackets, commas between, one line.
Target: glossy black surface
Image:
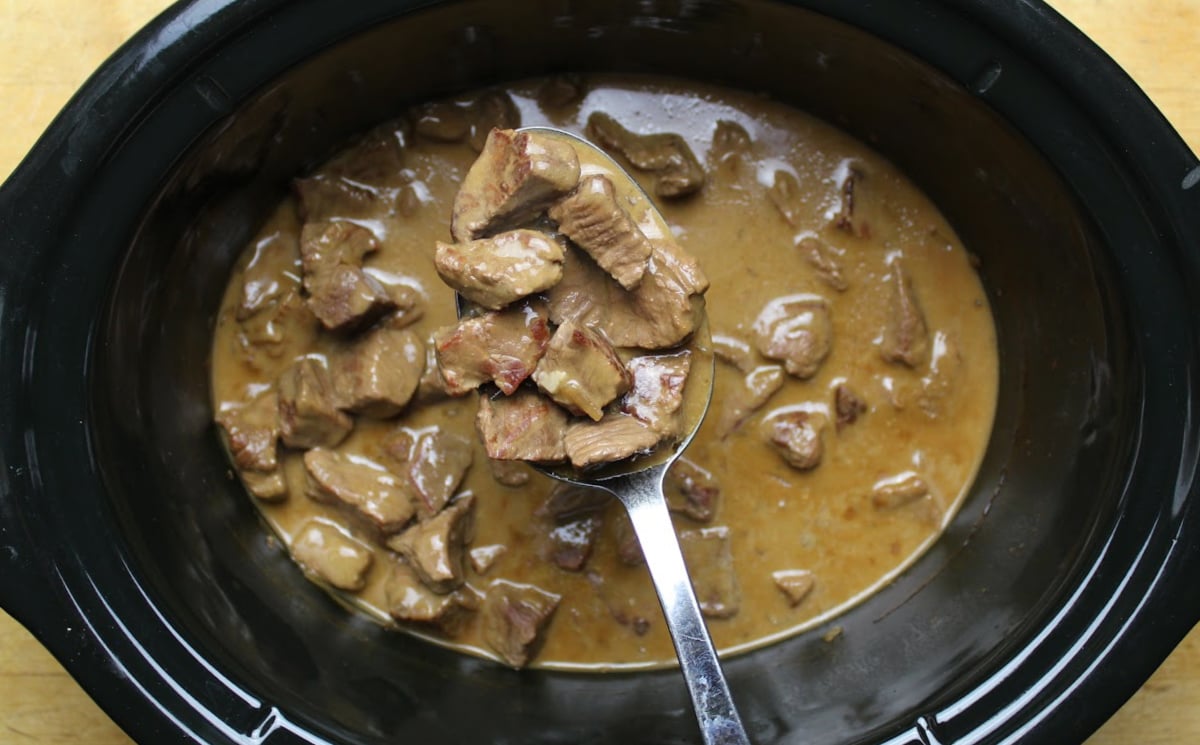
[(126, 548)]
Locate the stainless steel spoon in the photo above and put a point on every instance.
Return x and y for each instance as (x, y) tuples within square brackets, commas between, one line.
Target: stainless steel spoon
[(638, 485)]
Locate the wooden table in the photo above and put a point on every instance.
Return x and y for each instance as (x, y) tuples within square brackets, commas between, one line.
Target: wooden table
[(49, 47)]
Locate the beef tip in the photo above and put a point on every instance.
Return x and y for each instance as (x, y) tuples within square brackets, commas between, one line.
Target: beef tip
[(592, 217), (566, 501), (308, 407), (848, 406), (568, 543), (515, 618), (629, 549), (483, 558), (432, 386), (795, 584), (824, 259), (252, 432), (340, 294), (503, 347), (905, 337), (796, 436), (493, 110), (432, 462), (848, 177), (561, 91), (758, 386), (409, 600), (665, 154), (332, 555), (581, 371), (656, 396), (436, 549), (494, 272), (898, 491), (364, 490), (945, 370), (622, 608), (732, 149), (709, 561), (361, 182), (797, 331), (408, 300), (377, 374), (281, 330), (660, 313), (572, 517), (515, 178), (441, 121), (734, 351), (692, 490), (509, 472), (270, 274), (615, 437), (788, 199), (523, 426)]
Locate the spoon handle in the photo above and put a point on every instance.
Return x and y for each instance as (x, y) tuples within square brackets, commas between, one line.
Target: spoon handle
[(642, 495)]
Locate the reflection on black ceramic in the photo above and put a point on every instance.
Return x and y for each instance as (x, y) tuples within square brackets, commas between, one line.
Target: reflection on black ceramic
[(1056, 591)]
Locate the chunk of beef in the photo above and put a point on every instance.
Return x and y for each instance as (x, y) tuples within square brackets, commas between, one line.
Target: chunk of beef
[(281, 330), (796, 436), (436, 548), (621, 605), (905, 337), (332, 555), (732, 149), (409, 600), (592, 217), (561, 91), (797, 331), (571, 518), (665, 154), (252, 432), (270, 274), (661, 312), (363, 181), (364, 490), (757, 388), (787, 197), (692, 490), (735, 351), (432, 462), (848, 176), (503, 347), (515, 178), (795, 584), (945, 372), (483, 558), (515, 618), (615, 437), (710, 565), (441, 121), (581, 371), (340, 294), (848, 406), (494, 272), (509, 472), (308, 407), (523, 426), (432, 386), (656, 396), (824, 259), (493, 110), (898, 491), (376, 375)]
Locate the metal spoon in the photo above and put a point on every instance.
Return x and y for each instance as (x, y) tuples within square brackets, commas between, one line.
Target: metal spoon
[(638, 484)]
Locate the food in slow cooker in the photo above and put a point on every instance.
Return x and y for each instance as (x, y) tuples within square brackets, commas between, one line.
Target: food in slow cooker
[(853, 400)]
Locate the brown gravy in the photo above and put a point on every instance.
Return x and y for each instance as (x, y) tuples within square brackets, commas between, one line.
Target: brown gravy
[(931, 421)]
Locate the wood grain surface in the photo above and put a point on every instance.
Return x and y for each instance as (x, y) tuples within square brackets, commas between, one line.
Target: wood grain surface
[(49, 47)]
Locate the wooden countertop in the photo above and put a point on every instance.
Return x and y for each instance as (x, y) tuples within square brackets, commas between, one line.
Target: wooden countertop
[(49, 47)]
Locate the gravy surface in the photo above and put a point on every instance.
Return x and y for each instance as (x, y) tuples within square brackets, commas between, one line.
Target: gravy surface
[(930, 421)]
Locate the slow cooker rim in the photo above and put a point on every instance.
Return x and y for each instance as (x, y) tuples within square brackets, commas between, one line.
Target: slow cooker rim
[(81, 644)]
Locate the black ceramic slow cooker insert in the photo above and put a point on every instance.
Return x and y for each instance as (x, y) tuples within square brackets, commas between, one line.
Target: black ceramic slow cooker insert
[(1065, 580)]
